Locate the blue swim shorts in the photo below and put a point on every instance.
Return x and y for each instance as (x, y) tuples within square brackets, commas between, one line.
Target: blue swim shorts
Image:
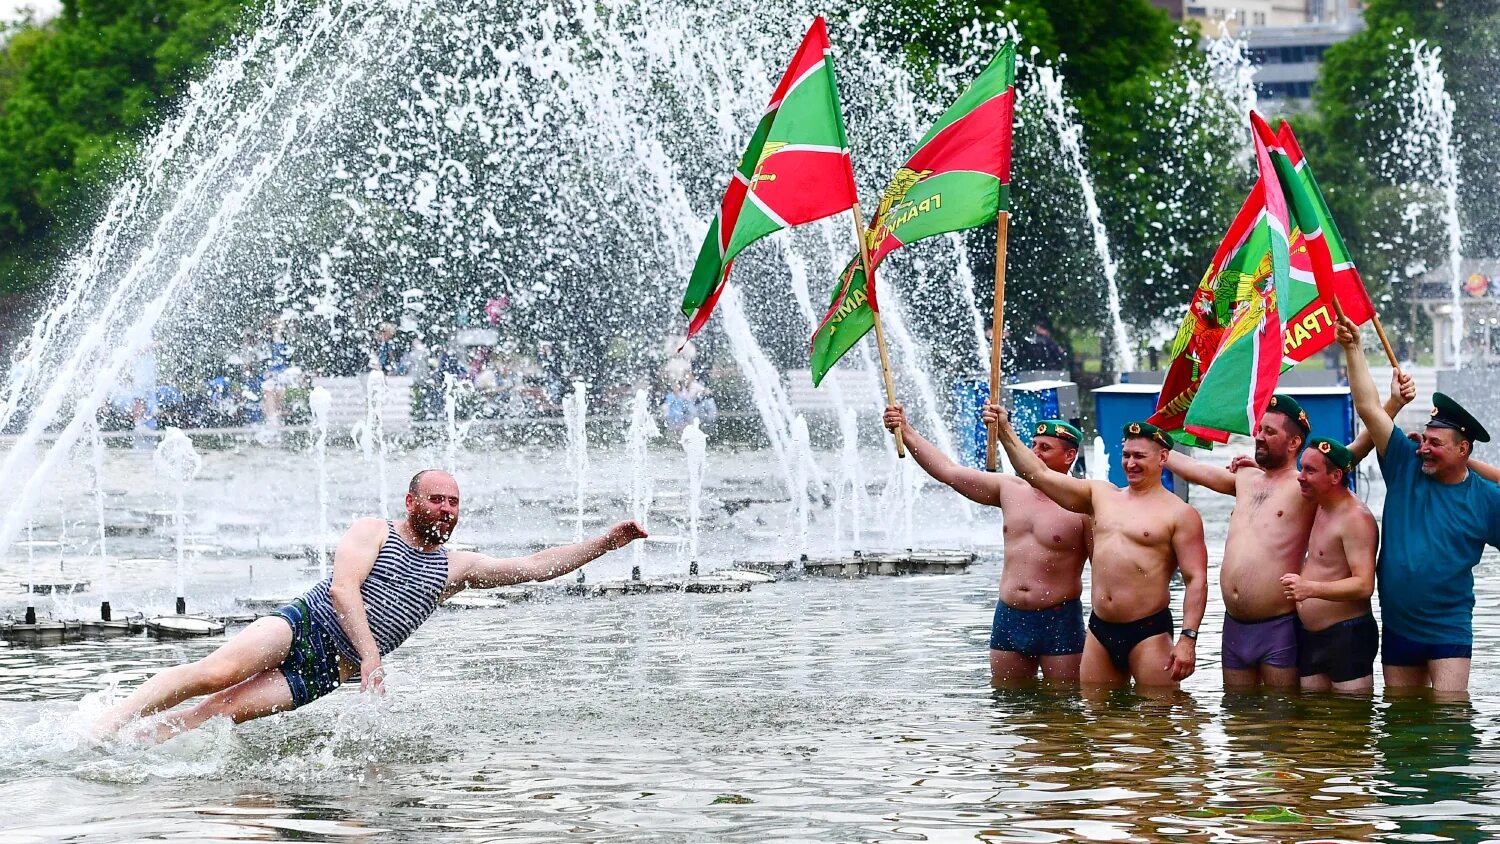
[(1053, 631), (1399, 650), (311, 667)]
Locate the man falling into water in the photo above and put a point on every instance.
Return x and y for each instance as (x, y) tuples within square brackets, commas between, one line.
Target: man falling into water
[(1039, 617), (388, 577), (1142, 535)]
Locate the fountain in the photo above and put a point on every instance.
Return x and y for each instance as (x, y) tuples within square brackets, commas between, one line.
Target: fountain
[(1430, 130), (695, 448), (642, 430), (802, 457), (575, 411), (179, 461), (375, 399), (851, 483), (320, 401), (1064, 121)]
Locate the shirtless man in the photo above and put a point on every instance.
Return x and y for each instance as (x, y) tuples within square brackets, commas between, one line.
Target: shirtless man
[(388, 577), (1337, 637), (1039, 617), (1267, 539), (1142, 535)]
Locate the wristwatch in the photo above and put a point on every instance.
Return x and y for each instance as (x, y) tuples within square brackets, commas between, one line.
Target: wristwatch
[(1190, 633)]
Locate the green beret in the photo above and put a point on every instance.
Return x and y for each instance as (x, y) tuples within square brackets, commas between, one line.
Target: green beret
[(1288, 405), (1447, 413), (1060, 429), (1336, 452), (1150, 432)]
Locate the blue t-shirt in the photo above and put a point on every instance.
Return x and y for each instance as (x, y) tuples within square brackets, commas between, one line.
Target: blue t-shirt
[(1432, 536)]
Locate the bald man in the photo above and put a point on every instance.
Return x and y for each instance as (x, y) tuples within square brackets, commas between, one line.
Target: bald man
[(388, 577)]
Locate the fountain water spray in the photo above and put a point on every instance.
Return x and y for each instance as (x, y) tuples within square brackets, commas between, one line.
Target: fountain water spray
[(642, 430), (450, 417), (851, 481), (375, 399), (177, 459), (802, 457), (320, 402), (1431, 126), (575, 413), (1064, 120), (695, 448), (96, 463)]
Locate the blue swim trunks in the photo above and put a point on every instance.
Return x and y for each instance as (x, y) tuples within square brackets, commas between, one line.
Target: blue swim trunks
[(311, 667), (1054, 631), (1399, 650)]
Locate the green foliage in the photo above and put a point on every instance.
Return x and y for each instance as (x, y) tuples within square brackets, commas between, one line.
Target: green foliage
[(75, 95)]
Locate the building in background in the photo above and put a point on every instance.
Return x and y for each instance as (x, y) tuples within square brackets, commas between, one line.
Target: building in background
[(1286, 39)]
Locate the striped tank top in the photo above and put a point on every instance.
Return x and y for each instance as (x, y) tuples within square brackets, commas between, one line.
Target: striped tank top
[(400, 593)]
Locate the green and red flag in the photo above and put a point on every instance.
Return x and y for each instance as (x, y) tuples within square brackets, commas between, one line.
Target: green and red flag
[(795, 170), (958, 178), (1235, 288), (1238, 384)]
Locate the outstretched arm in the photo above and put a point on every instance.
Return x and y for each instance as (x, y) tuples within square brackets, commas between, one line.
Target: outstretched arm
[(977, 486), (1485, 470), (1192, 561), (1069, 492), (1362, 387), (477, 571), (352, 562), (1403, 391), (1200, 473)]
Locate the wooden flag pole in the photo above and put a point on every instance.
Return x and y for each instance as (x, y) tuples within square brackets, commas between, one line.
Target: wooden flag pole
[(1390, 353), (885, 357), (997, 332)]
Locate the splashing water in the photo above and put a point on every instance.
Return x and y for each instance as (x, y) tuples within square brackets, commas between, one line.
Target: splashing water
[(176, 458), (375, 399), (1064, 120), (638, 438), (575, 418), (321, 404), (695, 447), (1431, 121)]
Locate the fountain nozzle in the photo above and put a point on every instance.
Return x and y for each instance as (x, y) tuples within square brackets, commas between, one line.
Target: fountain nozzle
[(104, 614), (31, 615), (181, 605)]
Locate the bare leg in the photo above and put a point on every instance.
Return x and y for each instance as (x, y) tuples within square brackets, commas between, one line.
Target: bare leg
[(1148, 661), (1008, 668), (1449, 675), (1321, 683), (1241, 678), (1278, 678), (1404, 676), (1096, 669), (261, 646), (1360, 685), (1061, 669), (261, 695)]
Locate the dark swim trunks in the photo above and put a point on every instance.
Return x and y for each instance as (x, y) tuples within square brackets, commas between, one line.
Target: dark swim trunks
[(311, 667), (1270, 641), (1051, 631), (1120, 638), (1344, 651), (1399, 650)]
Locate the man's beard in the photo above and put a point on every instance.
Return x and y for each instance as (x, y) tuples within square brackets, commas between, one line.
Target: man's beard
[(1265, 460), (434, 529)]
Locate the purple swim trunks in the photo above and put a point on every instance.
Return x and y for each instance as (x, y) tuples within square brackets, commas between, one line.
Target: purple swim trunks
[(1270, 641)]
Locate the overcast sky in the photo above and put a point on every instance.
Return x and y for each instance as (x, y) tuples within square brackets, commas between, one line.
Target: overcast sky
[(11, 9)]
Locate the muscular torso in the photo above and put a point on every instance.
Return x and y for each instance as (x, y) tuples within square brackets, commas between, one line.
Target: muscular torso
[(1327, 562), (1045, 549), (1267, 539), (1133, 558)]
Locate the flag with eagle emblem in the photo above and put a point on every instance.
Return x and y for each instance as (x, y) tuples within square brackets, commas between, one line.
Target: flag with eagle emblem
[(795, 170), (958, 178)]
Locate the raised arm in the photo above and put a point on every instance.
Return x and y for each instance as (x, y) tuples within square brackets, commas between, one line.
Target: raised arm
[(1200, 473), (1403, 391), (1362, 387), (1485, 470), (1192, 562), (352, 562), (477, 571), (1069, 492), (977, 486)]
